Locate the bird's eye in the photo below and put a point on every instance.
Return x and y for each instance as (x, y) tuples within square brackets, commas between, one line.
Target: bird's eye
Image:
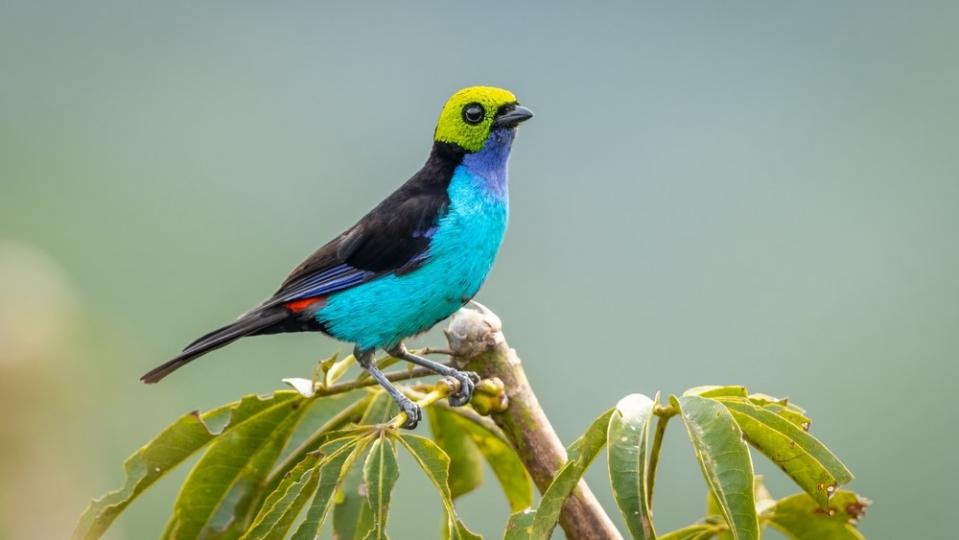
[(474, 113)]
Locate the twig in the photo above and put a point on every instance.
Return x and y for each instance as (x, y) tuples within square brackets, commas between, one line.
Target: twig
[(438, 392), (393, 376), (476, 338), (663, 414), (464, 412), (432, 350)]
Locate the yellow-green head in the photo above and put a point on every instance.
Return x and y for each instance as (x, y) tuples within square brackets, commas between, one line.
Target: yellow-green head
[(472, 113)]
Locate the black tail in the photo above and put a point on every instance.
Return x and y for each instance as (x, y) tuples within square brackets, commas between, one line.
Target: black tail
[(249, 324)]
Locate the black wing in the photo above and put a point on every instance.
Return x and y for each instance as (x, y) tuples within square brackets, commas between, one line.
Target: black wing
[(394, 237)]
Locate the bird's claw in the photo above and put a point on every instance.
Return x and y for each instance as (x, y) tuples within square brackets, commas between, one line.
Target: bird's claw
[(413, 413), (467, 384)]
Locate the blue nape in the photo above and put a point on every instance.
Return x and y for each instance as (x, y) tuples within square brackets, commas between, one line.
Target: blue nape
[(383, 312)]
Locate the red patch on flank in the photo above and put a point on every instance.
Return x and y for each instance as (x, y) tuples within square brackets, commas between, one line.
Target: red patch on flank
[(298, 306)]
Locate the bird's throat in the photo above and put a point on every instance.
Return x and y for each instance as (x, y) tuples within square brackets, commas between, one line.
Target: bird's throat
[(490, 164)]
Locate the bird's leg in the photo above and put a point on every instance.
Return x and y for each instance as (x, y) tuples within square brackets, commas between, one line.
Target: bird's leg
[(413, 412), (467, 379)]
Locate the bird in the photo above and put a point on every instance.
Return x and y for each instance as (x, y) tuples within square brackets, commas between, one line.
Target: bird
[(412, 261)]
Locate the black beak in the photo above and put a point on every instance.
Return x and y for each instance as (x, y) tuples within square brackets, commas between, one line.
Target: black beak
[(512, 117)]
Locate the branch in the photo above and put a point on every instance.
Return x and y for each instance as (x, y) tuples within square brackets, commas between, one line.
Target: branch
[(464, 412), (393, 376), (439, 391), (308, 389), (663, 414), (476, 338)]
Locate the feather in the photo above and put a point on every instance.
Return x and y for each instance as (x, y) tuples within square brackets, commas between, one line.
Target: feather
[(251, 323)]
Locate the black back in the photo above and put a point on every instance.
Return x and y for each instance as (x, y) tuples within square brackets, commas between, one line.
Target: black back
[(392, 235)]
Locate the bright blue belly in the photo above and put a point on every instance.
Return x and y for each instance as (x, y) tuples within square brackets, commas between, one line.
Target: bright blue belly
[(388, 309)]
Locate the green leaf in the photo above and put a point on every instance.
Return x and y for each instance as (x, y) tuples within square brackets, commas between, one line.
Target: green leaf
[(791, 413), (714, 513), (466, 461), (284, 504), (502, 458), (580, 454), (340, 455), (698, 531), (800, 517), (436, 465), (302, 444), (780, 406), (319, 425), (724, 460), (806, 460), (218, 493), (783, 407), (714, 526), (627, 440), (336, 370), (520, 525), (323, 415), (716, 391), (322, 368), (352, 515), (380, 410), (173, 445), (380, 473)]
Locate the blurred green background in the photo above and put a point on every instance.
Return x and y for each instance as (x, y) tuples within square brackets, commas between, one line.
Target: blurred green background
[(736, 192)]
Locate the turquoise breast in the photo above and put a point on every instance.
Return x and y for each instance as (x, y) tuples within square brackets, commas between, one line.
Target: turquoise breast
[(386, 310)]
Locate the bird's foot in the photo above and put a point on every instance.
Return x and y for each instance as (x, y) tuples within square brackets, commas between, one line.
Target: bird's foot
[(413, 413), (466, 380)]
